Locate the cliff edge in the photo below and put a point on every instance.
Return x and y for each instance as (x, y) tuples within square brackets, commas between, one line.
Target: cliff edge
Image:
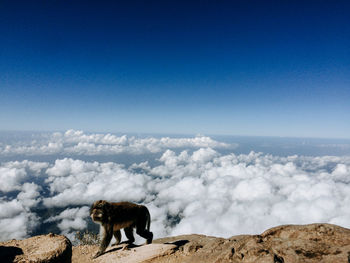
[(283, 244)]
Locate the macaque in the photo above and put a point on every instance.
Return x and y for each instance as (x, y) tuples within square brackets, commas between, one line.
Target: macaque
[(115, 216)]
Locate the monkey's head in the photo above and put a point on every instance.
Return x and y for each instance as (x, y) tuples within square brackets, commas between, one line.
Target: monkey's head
[(98, 211)]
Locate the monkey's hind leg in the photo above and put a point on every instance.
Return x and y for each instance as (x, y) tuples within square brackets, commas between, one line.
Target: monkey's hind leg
[(148, 235), (129, 232), (143, 232)]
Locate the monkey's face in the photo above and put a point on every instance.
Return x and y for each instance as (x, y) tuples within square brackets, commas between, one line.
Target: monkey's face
[(98, 211)]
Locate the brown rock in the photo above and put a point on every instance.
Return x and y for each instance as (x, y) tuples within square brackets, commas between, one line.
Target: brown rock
[(38, 249), (284, 244), (122, 253), (316, 243)]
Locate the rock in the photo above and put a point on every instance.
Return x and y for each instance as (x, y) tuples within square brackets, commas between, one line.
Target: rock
[(44, 249), (313, 243), (191, 248), (121, 253), (283, 244)]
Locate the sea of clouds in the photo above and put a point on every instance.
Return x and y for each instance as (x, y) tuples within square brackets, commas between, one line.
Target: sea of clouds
[(79, 143), (197, 189)]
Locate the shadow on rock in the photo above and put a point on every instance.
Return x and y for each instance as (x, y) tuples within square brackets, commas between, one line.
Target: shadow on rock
[(8, 254), (178, 243), (127, 247)]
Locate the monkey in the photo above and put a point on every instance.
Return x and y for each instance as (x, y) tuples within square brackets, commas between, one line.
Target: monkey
[(115, 216)]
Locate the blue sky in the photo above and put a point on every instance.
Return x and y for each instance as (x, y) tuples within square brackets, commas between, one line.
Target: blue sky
[(270, 68)]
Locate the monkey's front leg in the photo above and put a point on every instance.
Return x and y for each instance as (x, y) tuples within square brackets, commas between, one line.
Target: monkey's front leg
[(107, 236), (117, 235)]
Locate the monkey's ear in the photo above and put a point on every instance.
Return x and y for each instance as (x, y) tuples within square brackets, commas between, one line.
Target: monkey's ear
[(99, 203), (103, 204)]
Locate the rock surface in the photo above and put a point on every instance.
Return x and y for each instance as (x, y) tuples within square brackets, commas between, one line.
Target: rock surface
[(284, 244), (44, 249), (121, 253)]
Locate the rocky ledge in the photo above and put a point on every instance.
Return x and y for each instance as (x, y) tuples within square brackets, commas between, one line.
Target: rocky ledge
[(49, 248), (282, 244)]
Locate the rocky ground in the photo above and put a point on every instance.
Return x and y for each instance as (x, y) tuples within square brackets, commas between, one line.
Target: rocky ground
[(282, 244), (49, 248), (309, 244), (133, 254)]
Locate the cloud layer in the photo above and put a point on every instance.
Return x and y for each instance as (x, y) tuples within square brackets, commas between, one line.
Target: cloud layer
[(18, 196), (78, 143), (199, 191)]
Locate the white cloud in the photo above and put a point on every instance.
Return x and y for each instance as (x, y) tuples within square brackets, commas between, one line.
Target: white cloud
[(78, 143), (74, 182), (205, 192), (14, 174), (34, 168), (16, 221), (16, 218), (341, 173), (71, 219), (11, 179), (30, 195), (194, 191)]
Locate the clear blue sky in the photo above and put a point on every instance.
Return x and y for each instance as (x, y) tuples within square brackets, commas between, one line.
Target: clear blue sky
[(213, 67)]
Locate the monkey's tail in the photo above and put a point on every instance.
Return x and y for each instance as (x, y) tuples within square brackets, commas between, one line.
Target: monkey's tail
[(148, 221)]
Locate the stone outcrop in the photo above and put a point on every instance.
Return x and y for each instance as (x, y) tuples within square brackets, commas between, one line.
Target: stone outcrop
[(313, 243), (283, 244), (49, 248), (123, 253)]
